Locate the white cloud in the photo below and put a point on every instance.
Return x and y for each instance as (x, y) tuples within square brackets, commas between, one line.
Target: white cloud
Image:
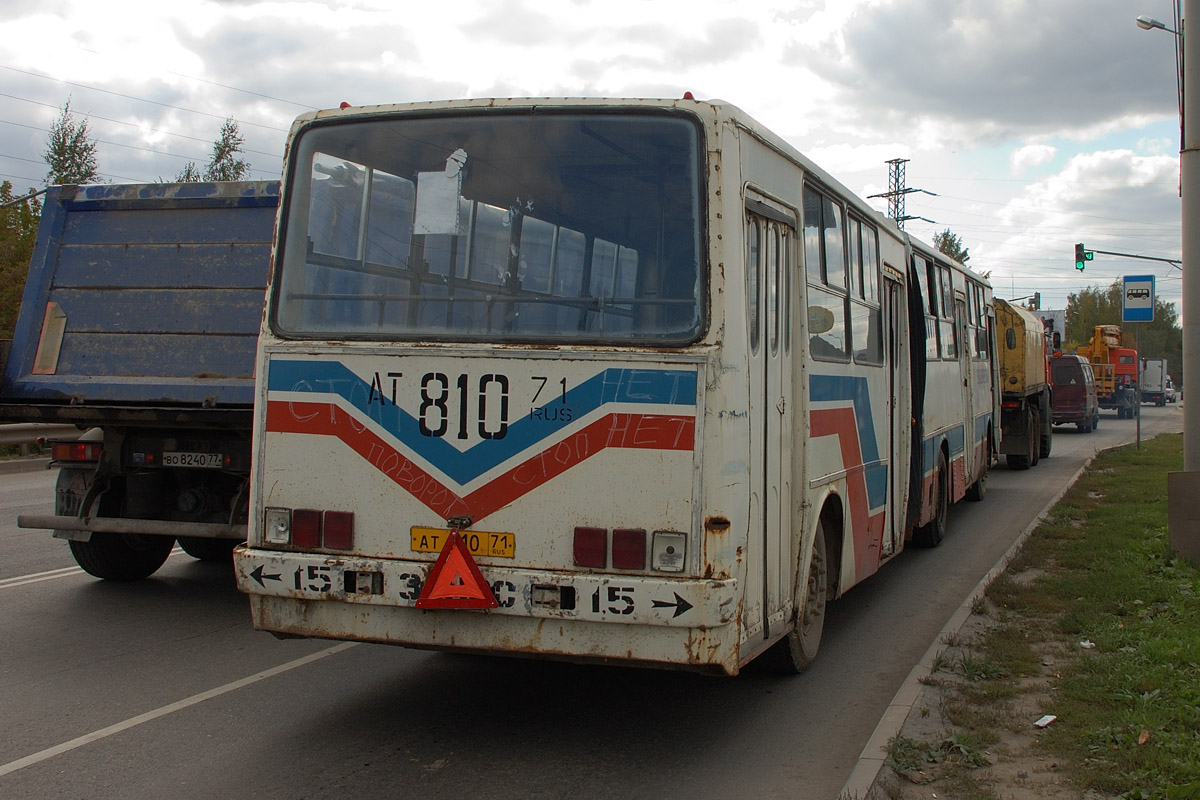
[(1030, 156)]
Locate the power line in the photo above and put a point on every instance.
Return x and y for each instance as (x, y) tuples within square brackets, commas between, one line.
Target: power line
[(121, 122), (138, 99)]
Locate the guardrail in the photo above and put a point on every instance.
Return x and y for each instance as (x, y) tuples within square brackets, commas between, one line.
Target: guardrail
[(30, 432)]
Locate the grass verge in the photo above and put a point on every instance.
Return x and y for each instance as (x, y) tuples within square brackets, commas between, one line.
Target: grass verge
[(1095, 622)]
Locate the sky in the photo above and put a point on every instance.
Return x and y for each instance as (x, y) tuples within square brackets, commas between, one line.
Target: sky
[(1028, 125)]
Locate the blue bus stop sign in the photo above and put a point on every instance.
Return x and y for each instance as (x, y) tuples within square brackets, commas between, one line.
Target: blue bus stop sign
[(1138, 298)]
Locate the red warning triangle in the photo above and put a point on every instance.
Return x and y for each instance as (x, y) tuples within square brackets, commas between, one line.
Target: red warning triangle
[(455, 581)]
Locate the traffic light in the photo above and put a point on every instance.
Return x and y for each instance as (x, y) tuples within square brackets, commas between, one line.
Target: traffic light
[(1037, 301), (1082, 256)]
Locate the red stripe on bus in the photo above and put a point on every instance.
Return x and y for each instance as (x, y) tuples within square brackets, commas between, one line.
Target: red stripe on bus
[(866, 529), (636, 431)]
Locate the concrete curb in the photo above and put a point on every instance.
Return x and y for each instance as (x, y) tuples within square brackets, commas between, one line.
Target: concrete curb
[(15, 465), (870, 762)]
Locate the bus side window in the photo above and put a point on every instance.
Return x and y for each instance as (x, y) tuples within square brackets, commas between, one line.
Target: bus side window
[(825, 266)]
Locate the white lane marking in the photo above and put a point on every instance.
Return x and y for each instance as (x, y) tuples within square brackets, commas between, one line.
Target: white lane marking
[(65, 572), (163, 711), (21, 580)]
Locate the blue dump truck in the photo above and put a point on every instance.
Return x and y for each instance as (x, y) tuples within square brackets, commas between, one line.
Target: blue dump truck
[(138, 325)]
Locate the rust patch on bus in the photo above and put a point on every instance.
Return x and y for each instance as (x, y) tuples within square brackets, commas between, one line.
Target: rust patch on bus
[(716, 524)]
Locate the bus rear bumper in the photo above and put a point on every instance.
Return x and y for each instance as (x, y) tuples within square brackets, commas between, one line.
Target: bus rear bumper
[(684, 622)]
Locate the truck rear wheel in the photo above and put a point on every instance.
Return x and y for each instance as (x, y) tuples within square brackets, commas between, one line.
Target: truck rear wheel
[(207, 549), (122, 556)]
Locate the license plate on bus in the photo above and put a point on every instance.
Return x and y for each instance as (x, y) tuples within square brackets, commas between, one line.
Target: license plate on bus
[(479, 543), (200, 460)]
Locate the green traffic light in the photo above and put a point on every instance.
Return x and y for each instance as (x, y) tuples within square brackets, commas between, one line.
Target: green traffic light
[(1082, 256)]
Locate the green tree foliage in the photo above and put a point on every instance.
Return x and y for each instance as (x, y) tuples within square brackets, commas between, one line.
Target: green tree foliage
[(225, 164), (1162, 338), (70, 151), (189, 174), (950, 244), (18, 231)]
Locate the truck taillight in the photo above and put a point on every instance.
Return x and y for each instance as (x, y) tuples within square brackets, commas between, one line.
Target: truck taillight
[(75, 451), (309, 528)]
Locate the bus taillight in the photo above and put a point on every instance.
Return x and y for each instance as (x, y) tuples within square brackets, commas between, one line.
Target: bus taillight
[(629, 549), (667, 549), (591, 547), (309, 529)]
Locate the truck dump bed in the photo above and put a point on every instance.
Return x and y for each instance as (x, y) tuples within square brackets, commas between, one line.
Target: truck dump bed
[(142, 318)]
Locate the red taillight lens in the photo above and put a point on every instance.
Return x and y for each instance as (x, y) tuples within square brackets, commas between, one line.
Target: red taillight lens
[(306, 528), (339, 529), (75, 451), (629, 549), (591, 547)]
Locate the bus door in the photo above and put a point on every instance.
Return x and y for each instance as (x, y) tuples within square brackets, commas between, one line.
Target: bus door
[(770, 231), (899, 413), (970, 467)]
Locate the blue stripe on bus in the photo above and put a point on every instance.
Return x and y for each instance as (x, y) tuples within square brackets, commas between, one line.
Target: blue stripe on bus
[(628, 386), (955, 442), (840, 388)]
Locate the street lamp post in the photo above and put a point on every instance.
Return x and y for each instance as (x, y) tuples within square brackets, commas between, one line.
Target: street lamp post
[(1183, 488)]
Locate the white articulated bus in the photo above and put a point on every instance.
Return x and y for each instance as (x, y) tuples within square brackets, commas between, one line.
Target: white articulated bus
[(616, 380)]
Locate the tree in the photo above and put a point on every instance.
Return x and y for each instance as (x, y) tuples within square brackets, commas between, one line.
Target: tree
[(18, 232), (224, 164), (949, 244), (190, 174), (70, 151)]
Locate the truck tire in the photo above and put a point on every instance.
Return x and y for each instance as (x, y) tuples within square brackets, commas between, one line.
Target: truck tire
[(1035, 436), (122, 556), (206, 549), (1015, 461)]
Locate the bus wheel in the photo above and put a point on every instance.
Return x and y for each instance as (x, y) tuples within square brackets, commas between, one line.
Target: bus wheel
[(931, 535), (978, 490), (207, 549), (794, 652), (122, 556)]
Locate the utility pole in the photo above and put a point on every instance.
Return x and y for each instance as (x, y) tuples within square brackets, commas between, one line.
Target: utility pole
[(1183, 488), (897, 191)]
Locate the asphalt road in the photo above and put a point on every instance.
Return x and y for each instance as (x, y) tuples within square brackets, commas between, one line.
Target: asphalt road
[(162, 689)]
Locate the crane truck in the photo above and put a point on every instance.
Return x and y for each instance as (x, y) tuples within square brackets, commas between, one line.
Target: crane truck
[(1116, 371)]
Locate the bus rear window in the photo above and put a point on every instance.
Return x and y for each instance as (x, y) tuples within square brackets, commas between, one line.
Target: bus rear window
[(496, 227)]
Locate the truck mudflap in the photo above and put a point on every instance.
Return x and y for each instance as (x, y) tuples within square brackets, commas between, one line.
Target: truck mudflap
[(395, 583)]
